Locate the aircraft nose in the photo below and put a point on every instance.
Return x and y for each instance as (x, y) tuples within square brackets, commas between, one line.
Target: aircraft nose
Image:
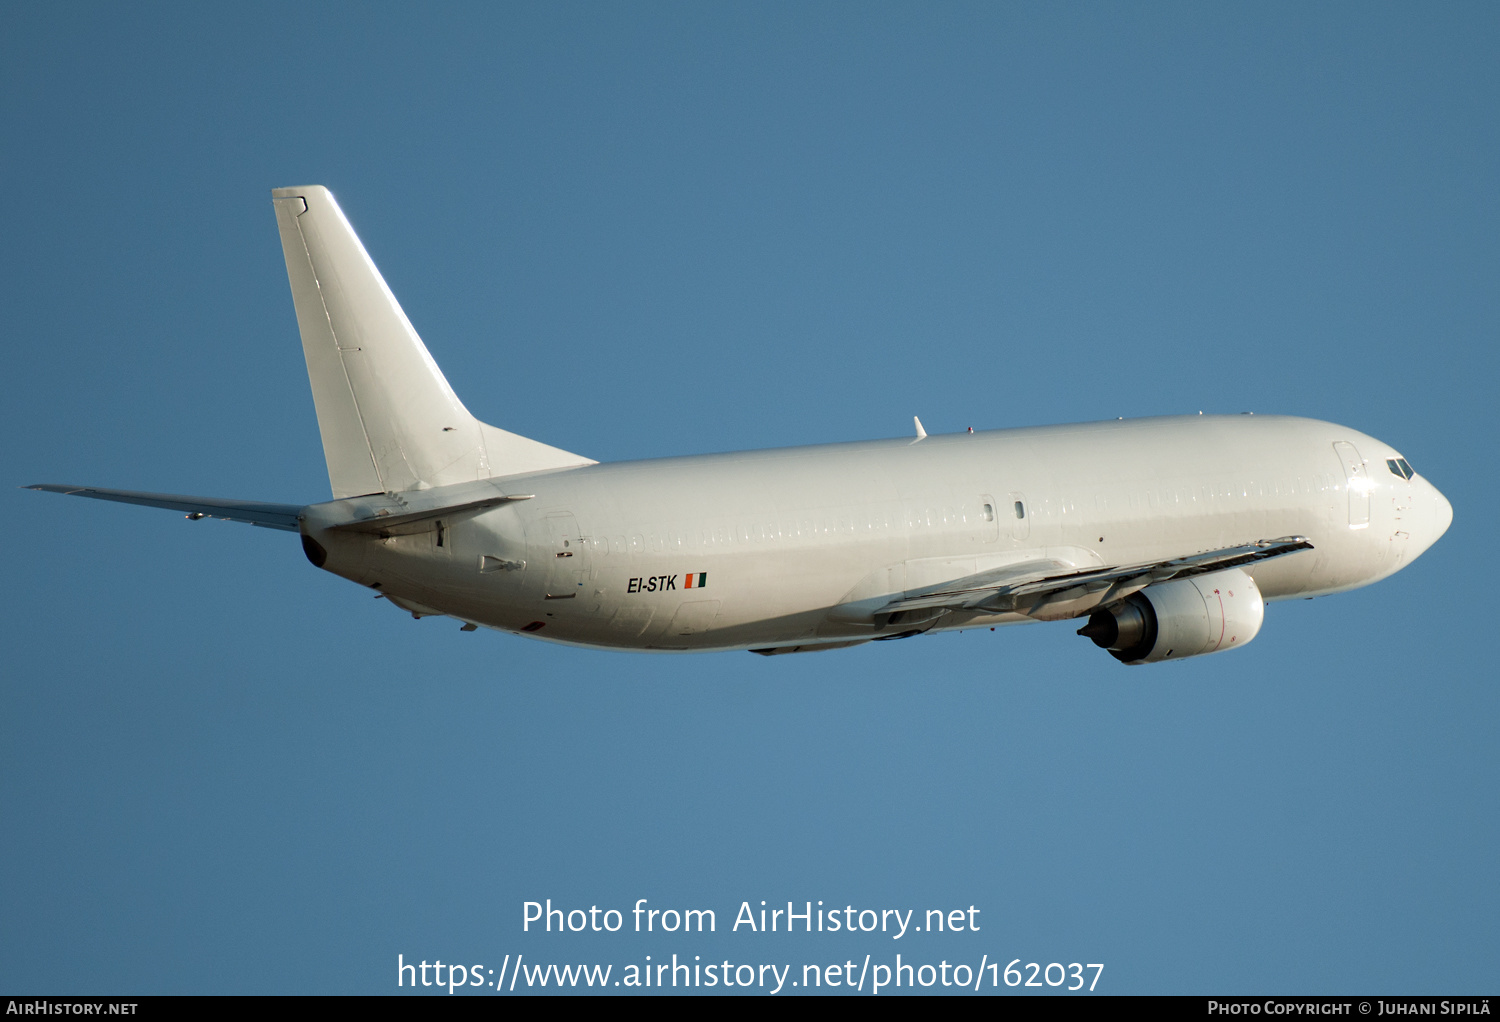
[(1436, 515), (1443, 514)]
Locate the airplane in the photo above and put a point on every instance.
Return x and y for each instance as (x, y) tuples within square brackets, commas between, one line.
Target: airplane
[(1165, 536)]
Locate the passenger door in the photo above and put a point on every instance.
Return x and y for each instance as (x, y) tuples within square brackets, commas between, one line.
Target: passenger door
[(1357, 481), (568, 565)]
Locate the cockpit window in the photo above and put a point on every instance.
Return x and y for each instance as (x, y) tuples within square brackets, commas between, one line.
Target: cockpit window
[(1405, 467), (1399, 467)]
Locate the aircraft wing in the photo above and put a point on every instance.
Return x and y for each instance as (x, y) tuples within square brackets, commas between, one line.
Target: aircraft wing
[(270, 516), (1051, 590)]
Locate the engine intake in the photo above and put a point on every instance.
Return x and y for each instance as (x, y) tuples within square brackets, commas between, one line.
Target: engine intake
[(1186, 617)]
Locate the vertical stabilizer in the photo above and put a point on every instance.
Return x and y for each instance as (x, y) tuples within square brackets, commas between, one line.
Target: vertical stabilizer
[(388, 418)]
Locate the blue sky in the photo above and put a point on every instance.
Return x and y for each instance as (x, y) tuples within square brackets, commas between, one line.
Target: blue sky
[(653, 229)]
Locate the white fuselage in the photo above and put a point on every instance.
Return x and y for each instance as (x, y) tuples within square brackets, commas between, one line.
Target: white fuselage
[(1168, 533), (802, 545)]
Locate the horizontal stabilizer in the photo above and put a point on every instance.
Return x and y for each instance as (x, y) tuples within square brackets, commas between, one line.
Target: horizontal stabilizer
[(270, 516), (384, 524)]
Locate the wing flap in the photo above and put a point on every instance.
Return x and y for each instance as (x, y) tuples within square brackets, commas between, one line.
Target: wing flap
[(254, 512)]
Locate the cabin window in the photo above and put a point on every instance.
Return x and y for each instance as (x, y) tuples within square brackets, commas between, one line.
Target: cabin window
[(989, 512), (1020, 509)]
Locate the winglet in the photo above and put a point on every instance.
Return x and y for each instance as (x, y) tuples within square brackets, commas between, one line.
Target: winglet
[(921, 433)]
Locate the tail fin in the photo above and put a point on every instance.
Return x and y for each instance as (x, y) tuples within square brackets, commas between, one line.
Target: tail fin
[(389, 420)]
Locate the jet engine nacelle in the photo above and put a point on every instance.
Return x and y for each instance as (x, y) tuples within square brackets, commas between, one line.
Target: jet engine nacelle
[(1187, 617)]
